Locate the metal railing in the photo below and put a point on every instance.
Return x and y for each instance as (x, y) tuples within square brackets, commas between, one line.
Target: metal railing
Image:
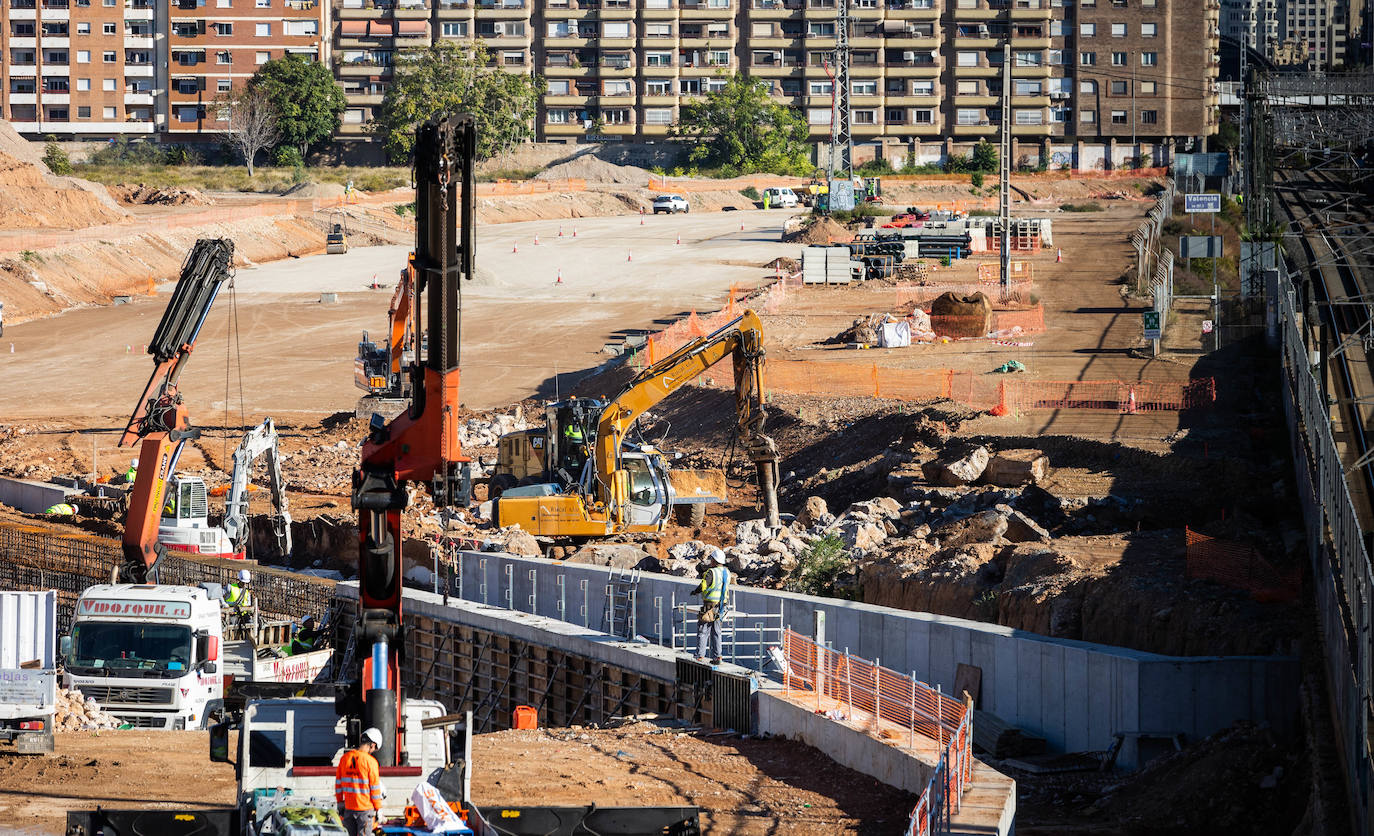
[(746, 636), (1342, 577), (866, 695)]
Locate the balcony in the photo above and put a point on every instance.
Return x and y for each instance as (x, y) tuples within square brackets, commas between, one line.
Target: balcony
[(411, 11), (22, 98)]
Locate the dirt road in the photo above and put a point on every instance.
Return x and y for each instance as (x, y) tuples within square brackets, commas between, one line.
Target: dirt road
[(521, 329)]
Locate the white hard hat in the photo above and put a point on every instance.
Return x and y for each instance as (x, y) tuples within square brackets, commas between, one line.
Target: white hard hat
[(374, 737), (717, 556), (133, 463), (245, 576)]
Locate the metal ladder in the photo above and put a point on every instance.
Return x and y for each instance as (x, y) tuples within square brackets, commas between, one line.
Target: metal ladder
[(622, 592)]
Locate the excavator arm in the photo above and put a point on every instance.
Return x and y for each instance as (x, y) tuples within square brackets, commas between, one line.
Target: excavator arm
[(420, 445), (160, 420), (259, 441), (742, 340)]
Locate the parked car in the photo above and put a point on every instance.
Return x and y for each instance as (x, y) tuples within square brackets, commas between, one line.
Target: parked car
[(780, 197), (671, 203)]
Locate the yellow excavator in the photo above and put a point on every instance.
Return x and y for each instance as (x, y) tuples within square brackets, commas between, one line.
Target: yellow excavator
[(579, 477)]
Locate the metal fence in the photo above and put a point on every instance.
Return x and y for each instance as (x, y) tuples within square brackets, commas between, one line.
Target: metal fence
[(1341, 572), (867, 695)]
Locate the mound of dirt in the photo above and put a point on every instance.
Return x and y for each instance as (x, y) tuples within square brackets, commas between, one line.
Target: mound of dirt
[(820, 231), (143, 194), (593, 169), (31, 197), (308, 191)]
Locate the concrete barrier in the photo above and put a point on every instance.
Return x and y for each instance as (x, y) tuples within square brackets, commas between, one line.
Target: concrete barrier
[(1077, 695), (32, 497)]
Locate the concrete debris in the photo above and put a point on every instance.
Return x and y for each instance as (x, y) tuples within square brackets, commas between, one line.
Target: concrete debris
[(1012, 468), (616, 556), (76, 712), (521, 542), (478, 433), (964, 470)]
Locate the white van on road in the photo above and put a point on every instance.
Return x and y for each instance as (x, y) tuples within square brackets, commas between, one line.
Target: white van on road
[(780, 197)]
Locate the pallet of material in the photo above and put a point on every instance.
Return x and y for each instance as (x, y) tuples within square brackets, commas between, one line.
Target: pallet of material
[(993, 735)]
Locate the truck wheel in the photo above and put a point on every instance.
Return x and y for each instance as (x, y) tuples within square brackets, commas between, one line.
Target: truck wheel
[(691, 516), (500, 484)]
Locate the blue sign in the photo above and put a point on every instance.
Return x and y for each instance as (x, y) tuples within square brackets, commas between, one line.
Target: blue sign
[(1201, 203)]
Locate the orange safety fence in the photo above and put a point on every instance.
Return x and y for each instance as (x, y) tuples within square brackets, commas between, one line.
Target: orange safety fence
[(884, 703), (1241, 567), (990, 273), (519, 187)]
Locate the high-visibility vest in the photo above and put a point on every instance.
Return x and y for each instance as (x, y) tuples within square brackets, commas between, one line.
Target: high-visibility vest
[(357, 781), (62, 508), (715, 584), (573, 433), (237, 596)]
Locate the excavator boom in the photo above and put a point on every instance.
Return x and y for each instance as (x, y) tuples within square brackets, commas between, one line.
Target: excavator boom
[(259, 441), (160, 420)]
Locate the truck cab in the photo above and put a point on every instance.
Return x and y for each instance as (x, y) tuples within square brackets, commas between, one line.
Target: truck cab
[(185, 524)]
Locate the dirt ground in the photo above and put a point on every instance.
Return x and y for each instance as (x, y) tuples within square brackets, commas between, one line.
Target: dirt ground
[(742, 786)]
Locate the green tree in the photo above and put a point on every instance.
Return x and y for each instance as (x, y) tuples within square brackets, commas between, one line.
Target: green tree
[(447, 78), (984, 156), (56, 159), (308, 101), (740, 126)]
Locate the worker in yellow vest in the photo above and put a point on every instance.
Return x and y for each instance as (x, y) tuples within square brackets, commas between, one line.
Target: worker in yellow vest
[(714, 590)]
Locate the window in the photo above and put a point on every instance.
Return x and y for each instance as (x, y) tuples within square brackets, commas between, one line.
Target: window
[(1028, 117), (1055, 58), (1087, 59), (301, 28), (616, 87), (263, 4), (106, 84), (1148, 88), (1118, 117), (107, 57), (658, 116), (1059, 114), (558, 87), (864, 117), (222, 58), (616, 116), (1026, 87), (355, 116), (759, 30), (615, 30), (558, 116), (222, 4), (105, 28), (82, 85), (894, 116), (1149, 117), (223, 85), (224, 28), (966, 59), (969, 116), (187, 114), (262, 30), (1087, 30), (967, 88), (922, 88), (1118, 30), (1087, 117), (83, 29), (820, 30), (451, 29), (108, 113), (1149, 59), (57, 114), (1027, 59), (1149, 30), (821, 88), (187, 85), (923, 116), (1119, 88), (658, 59), (1087, 87), (1119, 59), (718, 58), (818, 116), (83, 56), (658, 87), (1058, 29), (864, 87), (513, 58), (557, 29), (83, 112), (262, 57)]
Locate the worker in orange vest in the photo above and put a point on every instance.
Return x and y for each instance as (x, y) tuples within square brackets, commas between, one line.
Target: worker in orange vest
[(358, 786)]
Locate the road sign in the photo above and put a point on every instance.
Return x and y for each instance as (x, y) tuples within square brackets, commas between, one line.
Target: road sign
[(1200, 246), (1151, 321), (1201, 203)]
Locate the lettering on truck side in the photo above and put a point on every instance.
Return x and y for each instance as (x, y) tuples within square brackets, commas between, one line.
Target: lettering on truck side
[(96, 606)]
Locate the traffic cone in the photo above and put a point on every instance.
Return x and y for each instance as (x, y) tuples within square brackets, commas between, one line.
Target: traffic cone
[(679, 239), (560, 231), (536, 240), (1059, 255), (574, 232), (741, 226), (641, 219), (515, 248), (629, 256), (560, 276)]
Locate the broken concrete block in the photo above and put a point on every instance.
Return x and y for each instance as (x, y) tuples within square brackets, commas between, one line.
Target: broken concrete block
[(983, 527), (1011, 468), (1021, 528), (857, 534), (521, 542), (961, 471), (752, 532)]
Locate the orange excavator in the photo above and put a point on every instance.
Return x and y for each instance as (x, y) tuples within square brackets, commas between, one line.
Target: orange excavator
[(420, 445), (160, 421), (379, 370)]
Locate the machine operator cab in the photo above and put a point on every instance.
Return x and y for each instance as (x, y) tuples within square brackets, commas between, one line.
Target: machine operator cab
[(185, 524), (556, 453)]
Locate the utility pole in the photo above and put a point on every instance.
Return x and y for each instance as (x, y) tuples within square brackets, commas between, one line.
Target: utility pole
[(841, 138), (1004, 166)]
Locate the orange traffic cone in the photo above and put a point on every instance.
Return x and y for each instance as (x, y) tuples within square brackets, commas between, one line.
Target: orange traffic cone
[(679, 239), (515, 248), (560, 276), (574, 232), (1059, 255), (536, 240), (560, 231), (641, 219), (629, 256)]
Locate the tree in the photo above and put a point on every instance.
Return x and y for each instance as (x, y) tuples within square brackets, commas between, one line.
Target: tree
[(742, 127), (984, 156), (252, 122), (309, 103), (56, 159), (447, 78)]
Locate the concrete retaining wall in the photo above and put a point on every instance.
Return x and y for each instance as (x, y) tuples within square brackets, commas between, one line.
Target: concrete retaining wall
[(1075, 694), (32, 497)]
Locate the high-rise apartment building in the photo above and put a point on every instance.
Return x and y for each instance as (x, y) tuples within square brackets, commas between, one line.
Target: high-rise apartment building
[(920, 70), (1317, 32), (1254, 23)]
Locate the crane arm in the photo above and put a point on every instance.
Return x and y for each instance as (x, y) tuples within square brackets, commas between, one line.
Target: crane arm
[(399, 314), (261, 440), (740, 339), (160, 419)]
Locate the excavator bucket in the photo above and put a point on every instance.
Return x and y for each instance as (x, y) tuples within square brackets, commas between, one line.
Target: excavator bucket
[(707, 485)]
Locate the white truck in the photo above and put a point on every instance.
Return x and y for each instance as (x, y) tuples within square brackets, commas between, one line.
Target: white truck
[(155, 656), (28, 670)]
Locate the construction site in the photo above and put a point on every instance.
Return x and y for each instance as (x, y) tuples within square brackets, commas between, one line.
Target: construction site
[(1024, 533)]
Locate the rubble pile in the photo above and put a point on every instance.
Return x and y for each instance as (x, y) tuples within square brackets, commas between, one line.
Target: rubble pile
[(324, 468), (479, 433), (76, 712), (141, 193)]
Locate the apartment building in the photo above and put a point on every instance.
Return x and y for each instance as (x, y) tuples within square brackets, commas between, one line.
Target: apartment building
[(79, 67), (1255, 23), (1317, 32), (920, 70)]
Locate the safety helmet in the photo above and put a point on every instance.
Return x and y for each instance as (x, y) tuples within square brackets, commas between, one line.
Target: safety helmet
[(717, 556), (133, 463), (245, 576), (374, 737)]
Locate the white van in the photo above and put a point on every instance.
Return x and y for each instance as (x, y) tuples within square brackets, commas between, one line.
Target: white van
[(780, 197)]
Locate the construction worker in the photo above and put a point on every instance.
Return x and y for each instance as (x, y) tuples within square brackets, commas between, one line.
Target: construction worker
[(305, 637), (767, 199), (132, 473), (358, 785), (574, 447), (239, 597), (715, 584), (62, 509)]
